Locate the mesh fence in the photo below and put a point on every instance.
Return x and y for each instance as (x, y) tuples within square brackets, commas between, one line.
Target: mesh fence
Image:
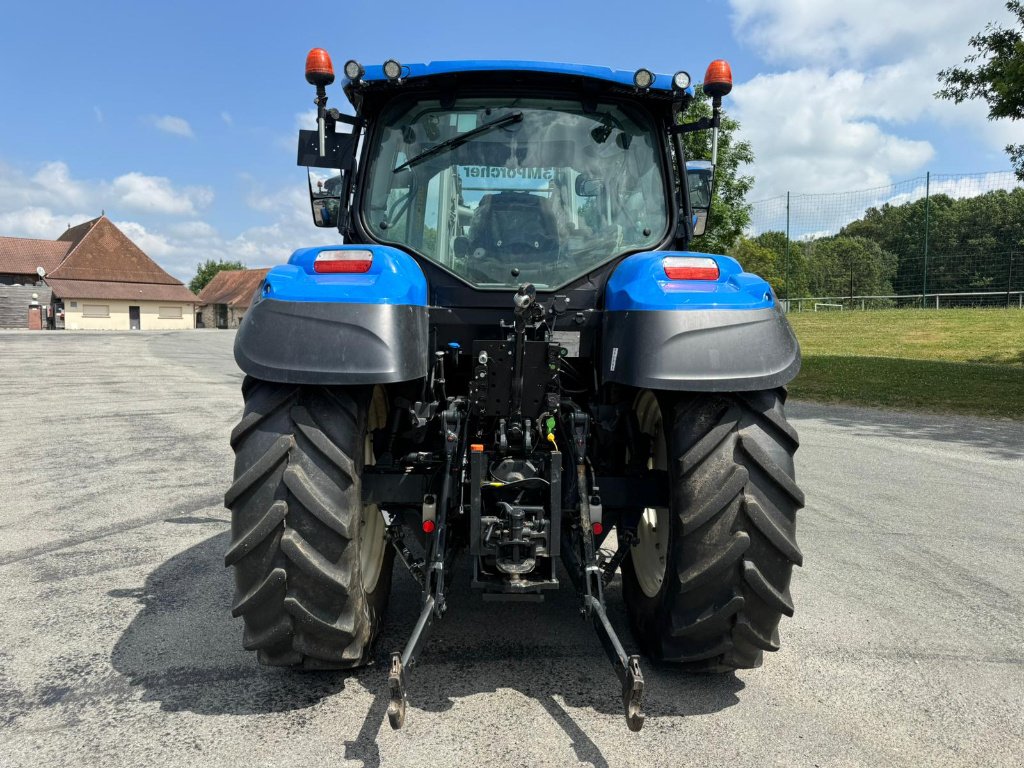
[(932, 241)]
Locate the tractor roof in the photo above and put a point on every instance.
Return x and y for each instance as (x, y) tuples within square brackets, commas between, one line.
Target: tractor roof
[(615, 76)]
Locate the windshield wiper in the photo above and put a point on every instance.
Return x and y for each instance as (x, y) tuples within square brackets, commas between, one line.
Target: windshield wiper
[(462, 138)]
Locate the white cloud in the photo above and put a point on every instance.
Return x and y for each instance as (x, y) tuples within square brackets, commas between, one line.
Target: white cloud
[(177, 126), (98, 113), (156, 194), (179, 248), (38, 222), (305, 120), (53, 182), (43, 204), (154, 244), (957, 186), (291, 198), (822, 140), (226, 117), (869, 33), (861, 75), (193, 230), (54, 187)]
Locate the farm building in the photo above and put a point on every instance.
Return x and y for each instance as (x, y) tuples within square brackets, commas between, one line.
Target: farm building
[(94, 278), (24, 297), (225, 299)]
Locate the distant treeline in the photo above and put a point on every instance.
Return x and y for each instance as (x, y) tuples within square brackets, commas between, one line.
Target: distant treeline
[(973, 244)]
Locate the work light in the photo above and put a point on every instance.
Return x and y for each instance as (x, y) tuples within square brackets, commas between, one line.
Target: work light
[(392, 70), (643, 78), (680, 80), (354, 70)]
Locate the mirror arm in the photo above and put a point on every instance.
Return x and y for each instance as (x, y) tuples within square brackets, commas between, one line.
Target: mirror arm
[(339, 117), (344, 211), (684, 224), (703, 124), (697, 125)]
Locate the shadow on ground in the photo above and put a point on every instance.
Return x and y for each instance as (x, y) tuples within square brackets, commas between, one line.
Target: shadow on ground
[(184, 650), (1003, 439)]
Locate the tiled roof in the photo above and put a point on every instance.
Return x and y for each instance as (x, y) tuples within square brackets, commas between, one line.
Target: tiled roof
[(119, 291), (233, 287), (75, 234), (100, 251), (21, 255)]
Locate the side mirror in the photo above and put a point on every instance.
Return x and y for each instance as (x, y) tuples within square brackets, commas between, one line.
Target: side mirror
[(325, 212), (700, 182), (587, 186), (325, 195)]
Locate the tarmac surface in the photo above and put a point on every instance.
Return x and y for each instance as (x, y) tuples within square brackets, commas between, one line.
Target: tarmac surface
[(117, 647)]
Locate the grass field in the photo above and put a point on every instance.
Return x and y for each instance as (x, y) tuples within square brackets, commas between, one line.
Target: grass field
[(956, 360)]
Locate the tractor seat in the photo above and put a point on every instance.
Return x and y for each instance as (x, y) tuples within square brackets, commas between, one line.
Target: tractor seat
[(515, 224)]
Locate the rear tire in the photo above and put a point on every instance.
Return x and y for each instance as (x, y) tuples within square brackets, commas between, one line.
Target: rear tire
[(312, 568), (708, 580)]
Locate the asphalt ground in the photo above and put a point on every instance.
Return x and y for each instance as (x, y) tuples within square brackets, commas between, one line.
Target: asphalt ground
[(117, 648)]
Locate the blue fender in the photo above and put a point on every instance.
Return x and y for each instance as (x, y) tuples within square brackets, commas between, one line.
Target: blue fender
[(309, 328), (723, 335)]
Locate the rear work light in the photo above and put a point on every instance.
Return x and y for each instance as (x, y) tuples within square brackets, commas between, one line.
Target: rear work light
[(344, 262), (690, 268)]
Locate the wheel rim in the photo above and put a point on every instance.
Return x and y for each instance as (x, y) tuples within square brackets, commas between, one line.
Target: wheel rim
[(372, 532), (650, 552)]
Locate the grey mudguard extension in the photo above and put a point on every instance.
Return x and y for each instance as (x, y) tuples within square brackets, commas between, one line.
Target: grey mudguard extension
[(714, 350), (305, 342)]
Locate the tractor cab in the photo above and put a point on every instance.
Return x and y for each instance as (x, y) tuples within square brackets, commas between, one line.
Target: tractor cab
[(494, 174)]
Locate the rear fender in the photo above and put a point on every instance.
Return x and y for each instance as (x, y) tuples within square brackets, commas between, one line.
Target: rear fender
[(723, 335), (310, 328)]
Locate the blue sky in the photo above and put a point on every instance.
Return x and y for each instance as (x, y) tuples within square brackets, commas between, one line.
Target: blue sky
[(179, 119)]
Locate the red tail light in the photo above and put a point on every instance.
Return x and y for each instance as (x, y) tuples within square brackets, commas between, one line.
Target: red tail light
[(690, 268), (429, 526), (597, 528), (345, 262)]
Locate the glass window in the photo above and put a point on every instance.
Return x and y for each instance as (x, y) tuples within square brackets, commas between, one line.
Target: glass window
[(502, 191)]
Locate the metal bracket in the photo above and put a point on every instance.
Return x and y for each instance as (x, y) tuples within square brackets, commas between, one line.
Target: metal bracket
[(413, 564), (697, 125), (396, 686), (434, 604), (609, 566), (626, 667)]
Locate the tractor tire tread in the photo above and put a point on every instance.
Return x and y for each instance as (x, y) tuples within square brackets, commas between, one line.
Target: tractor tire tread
[(296, 507), (734, 505)]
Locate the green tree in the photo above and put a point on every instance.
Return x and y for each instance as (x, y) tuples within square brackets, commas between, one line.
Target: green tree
[(765, 255), (848, 266), (206, 271), (730, 213), (995, 73), (970, 241)]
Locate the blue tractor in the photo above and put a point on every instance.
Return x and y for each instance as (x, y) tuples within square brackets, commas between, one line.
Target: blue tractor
[(514, 357)]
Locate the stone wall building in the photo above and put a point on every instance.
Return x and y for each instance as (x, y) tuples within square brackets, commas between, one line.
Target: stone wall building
[(225, 299)]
